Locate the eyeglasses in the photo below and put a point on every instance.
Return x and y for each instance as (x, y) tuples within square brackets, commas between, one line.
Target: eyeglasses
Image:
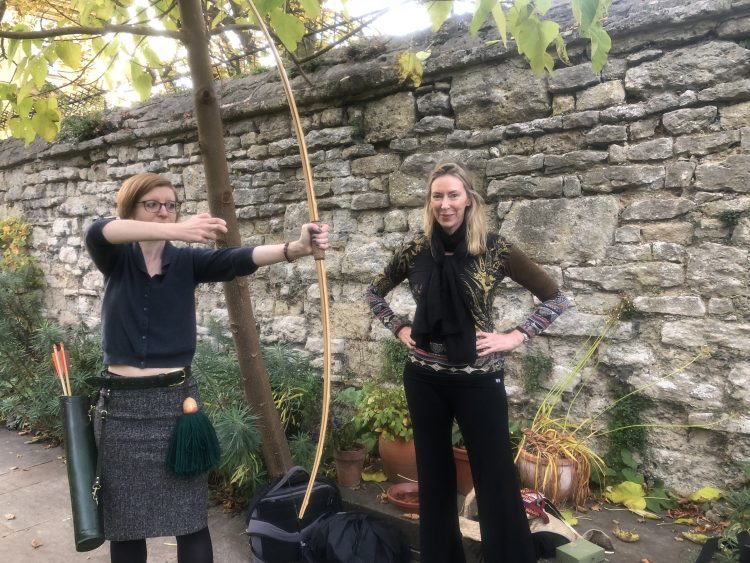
[(153, 206)]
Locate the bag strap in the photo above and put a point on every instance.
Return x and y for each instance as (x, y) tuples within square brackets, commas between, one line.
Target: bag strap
[(267, 530), (287, 477)]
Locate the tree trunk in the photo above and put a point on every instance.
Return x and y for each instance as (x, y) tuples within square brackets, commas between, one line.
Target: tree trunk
[(275, 448)]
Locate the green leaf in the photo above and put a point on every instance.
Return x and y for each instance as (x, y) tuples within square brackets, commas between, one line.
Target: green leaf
[(289, 29), (24, 107), (26, 45), (482, 10), (46, 119), (706, 494), (499, 16), (439, 12), (601, 43), (38, 68), (142, 81), (632, 476), (70, 53), (152, 58), (627, 458), (569, 517), (312, 8), (542, 6)]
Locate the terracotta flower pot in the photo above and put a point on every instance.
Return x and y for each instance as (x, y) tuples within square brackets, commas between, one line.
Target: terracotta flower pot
[(399, 459), (404, 496), (559, 486), (464, 480), (349, 464)]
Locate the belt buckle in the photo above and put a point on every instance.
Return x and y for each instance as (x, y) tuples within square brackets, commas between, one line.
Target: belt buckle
[(181, 381)]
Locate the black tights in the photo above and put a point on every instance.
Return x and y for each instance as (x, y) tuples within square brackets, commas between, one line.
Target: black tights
[(191, 548)]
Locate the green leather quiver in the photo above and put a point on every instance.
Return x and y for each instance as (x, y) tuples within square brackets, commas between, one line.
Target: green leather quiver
[(81, 459)]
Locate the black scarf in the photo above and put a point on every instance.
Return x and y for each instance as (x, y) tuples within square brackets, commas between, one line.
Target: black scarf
[(443, 309)]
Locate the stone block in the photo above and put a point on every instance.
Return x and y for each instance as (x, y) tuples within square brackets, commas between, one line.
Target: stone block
[(732, 174), (607, 134), (679, 174), (572, 78), (579, 160), (692, 67), (617, 178), (630, 276), (434, 103), (654, 209), (500, 94), (701, 145), (373, 165), (716, 270), (682, 305), (602, 95), (525, 186), (390, 118), (434, 124), (657, 149), (735, 116), (690, 120), (514, 164), (560, 230)]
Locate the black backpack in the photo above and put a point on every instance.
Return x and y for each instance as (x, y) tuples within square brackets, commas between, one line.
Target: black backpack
[(276, 535), (355, 537)]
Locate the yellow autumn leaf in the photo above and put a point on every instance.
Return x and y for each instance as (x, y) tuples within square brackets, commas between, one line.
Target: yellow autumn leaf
[(374, 476), (695, 538), (706, 494), (626, 536)]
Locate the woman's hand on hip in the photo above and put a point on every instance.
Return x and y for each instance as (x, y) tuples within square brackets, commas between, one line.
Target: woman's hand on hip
[(404, 335), (491, 342)]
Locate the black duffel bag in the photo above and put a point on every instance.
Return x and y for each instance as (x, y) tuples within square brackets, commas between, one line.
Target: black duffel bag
[(276, 534), (355, 537)]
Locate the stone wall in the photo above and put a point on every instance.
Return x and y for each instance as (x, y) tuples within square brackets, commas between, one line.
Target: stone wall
[(632, 182)]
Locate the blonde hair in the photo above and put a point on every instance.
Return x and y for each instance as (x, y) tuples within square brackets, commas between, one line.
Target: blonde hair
[(134, 188), (475, 215)]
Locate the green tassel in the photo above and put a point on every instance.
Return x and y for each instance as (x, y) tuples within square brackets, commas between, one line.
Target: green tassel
[(194, 447)]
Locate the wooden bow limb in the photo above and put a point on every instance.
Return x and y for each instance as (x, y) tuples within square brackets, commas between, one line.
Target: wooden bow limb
[(318, 254)]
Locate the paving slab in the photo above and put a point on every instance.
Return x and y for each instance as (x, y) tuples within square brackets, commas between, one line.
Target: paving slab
[(33, 487)]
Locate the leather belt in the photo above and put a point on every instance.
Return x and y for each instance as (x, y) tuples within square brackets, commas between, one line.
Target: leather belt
[(114, 381)]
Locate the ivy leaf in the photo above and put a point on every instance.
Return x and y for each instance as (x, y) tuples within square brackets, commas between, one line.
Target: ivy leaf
[(38, 69), (69, 53), (312, 8), (480, 14), (439, 12), (142, 81), (499, 16), (289, 29), (46, 119)]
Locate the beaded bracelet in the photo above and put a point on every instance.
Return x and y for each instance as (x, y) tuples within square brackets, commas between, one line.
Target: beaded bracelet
[(286, 252)]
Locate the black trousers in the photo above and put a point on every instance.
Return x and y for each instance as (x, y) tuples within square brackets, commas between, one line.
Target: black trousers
[(479, 405)]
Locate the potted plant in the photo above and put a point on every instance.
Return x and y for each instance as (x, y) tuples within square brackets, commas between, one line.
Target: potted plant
[(554, 455), (350, 445), (383, 410)]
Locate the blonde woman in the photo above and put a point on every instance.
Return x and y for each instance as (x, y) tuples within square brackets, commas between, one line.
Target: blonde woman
[(454, 369)]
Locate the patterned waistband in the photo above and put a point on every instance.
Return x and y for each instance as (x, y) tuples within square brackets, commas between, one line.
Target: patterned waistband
[(439, 363)]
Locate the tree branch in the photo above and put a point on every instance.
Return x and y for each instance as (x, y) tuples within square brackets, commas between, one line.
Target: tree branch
[(91, 31)]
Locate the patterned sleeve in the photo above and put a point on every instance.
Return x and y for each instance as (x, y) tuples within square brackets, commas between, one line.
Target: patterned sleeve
[(395, 272), (525, 272)]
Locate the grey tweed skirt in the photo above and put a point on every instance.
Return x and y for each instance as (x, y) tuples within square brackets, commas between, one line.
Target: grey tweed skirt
[(141, 498)]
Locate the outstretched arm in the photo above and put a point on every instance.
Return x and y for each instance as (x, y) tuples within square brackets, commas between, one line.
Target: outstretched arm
[(199, 228)]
